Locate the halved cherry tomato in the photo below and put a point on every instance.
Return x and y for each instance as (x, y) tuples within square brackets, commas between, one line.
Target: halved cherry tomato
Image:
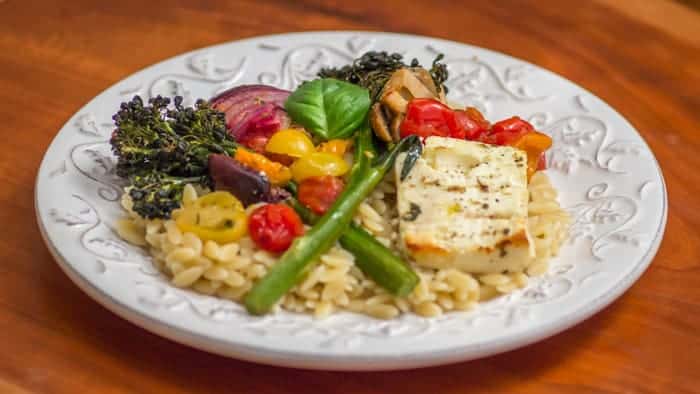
[(428, 117), (318, 164), (534, 144), (468, 128), (318, 193), (273, 227), (217, 216), (290, 142), (336, 147), (476, 115), (472, 122), (507, 131)]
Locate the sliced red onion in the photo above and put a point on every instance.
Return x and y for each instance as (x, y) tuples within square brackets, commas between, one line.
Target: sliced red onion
[(253, 111), (246, 184)]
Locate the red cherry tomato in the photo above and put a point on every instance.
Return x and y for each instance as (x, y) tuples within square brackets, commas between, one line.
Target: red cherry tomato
[(478, 117), (318, 193), (472, 123), (428, 117), (273, 227), (507, 131)]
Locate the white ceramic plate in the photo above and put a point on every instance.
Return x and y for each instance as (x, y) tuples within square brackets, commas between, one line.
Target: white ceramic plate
[(606, 174)]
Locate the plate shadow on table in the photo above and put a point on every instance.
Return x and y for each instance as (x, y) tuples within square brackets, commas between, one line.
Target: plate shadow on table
[(151, 357)]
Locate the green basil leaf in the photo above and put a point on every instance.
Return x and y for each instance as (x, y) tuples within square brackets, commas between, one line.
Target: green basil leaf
[(329, 108)]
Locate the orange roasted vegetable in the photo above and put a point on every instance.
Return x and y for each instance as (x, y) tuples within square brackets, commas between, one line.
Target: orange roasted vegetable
[(336, 147), (534, 144), (277, 173)]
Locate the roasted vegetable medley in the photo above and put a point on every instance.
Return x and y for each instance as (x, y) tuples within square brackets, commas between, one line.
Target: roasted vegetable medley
[(289, 169)]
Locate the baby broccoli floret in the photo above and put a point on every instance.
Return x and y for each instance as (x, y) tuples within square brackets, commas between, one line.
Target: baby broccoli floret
[(174, 141), (156, 195), (160, 149)]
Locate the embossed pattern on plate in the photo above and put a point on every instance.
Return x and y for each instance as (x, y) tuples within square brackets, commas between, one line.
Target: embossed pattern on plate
[(607, 177)]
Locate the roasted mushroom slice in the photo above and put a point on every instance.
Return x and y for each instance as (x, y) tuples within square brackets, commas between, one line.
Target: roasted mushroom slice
[(402, 87), (396, 126), (379, 123), (424, 76), (395, 101)]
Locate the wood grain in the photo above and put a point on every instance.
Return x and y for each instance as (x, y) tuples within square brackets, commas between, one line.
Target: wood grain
[(56, 55)]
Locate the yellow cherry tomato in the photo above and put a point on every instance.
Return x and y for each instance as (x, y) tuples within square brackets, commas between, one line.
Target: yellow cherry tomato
[(290, 142), (337, 147), (318, 164), (217, 216)]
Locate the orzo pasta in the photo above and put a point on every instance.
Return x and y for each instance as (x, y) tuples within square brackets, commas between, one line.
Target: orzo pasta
[(230, 270)]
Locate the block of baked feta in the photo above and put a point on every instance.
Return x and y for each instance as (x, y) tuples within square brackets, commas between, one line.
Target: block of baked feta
[(464, 206)]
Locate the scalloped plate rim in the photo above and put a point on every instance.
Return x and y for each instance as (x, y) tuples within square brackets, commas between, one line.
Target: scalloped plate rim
[(316, 360)]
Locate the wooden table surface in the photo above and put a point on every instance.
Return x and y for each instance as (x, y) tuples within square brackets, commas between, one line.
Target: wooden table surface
[(642, 57)]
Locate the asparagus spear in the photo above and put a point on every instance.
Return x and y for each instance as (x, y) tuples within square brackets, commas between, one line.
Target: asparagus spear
[(373, 258), (305, 250)]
